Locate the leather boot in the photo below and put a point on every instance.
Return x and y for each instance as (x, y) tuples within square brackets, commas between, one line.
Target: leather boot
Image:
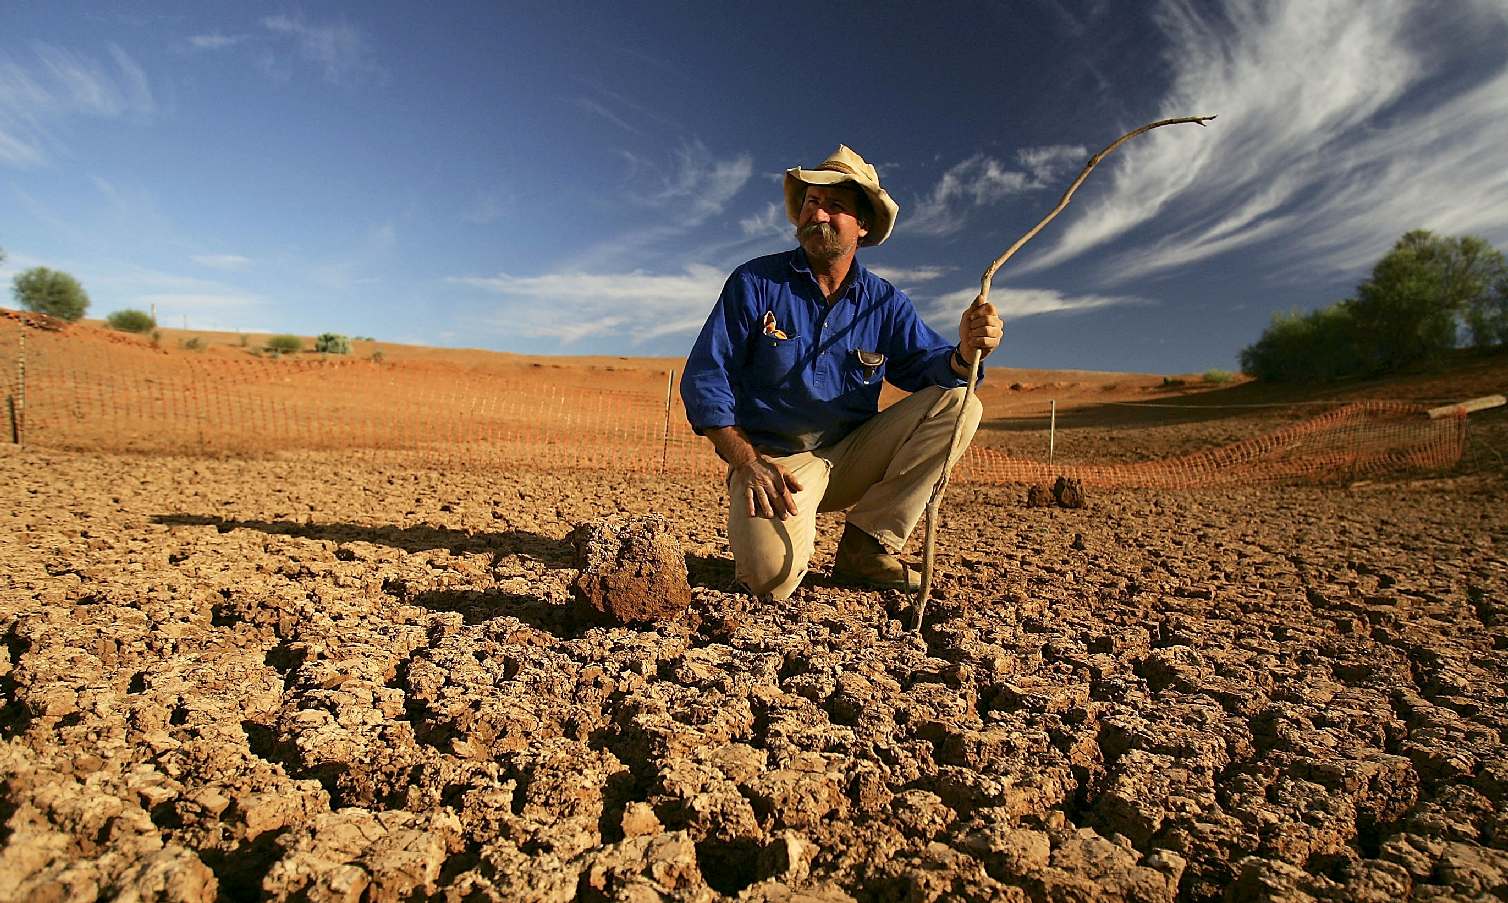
[(861, 559)]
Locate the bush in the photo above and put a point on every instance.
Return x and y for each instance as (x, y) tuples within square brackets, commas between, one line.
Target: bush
[(332, 343), (1219, 376), (194, 343), (376, 357), (50, 292), (1319, 345), (285, 344), (128, 320)]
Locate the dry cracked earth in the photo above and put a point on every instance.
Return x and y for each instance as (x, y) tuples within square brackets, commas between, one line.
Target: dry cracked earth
[(322, 680)]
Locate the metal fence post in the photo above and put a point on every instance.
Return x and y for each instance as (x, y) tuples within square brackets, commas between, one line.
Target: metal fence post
[(665, 445), (1052, 432), (18, 404)]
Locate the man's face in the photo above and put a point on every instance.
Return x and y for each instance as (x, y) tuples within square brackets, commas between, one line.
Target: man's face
[(828, 227)]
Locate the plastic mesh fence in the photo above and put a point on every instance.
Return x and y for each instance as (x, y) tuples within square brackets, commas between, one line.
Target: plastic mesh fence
[(100, 391)]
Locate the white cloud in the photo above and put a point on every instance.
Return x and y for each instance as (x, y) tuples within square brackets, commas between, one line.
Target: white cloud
[(769, 221), (981, 180), (1342, 125), (570, 306), (339, 49), (59, 84), (910, 274), (1016, 303), (588, 105), (698, 185), (215, 41), (222, 261)]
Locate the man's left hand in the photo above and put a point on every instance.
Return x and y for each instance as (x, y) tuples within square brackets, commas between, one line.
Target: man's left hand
[(980, 328)]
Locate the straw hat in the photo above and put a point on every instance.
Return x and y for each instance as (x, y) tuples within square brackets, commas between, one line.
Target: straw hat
[(843, 165)]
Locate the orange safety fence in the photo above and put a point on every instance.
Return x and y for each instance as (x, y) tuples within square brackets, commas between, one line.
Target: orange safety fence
[(92, 390)]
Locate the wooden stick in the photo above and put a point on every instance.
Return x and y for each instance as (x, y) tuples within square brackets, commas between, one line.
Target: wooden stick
[(1461, 409), (934, 504)]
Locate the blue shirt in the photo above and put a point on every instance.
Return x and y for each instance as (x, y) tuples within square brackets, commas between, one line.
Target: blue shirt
[(775, 359)]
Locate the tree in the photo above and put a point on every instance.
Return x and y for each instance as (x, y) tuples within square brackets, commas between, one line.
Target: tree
[(1297, 347), (1419, 294), (129, 320), (51, 292)]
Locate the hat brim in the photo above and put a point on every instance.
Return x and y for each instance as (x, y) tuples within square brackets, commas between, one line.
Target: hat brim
[(885, 209)]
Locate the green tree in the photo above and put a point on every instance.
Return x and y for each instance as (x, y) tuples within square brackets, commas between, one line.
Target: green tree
[(1299, 347), (332, 343), (1420, 293), (51, 292), (129, 320)]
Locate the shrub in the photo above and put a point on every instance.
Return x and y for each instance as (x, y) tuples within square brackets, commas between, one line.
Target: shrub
[(128, 320), (285, 344), (1169, 382), (244, 339), (194, 343), (376, 357), (50, 292), (156, 337), (1218, 376), (332, 343)]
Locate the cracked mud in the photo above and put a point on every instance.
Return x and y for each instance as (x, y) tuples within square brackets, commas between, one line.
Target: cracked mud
[(316, 679)]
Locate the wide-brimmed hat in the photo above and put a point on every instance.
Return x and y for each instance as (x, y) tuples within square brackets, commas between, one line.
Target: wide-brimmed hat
[(843, 165)]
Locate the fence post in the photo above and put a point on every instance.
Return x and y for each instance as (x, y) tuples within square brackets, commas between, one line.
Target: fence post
[(665, 444), (1052, 432), (18, 403)]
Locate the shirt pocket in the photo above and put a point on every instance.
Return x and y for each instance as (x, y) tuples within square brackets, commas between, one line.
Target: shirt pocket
[(776, 361), (864, 368)]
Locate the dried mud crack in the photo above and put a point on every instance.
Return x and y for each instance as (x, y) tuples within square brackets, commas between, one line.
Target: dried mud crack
[(307, 679)]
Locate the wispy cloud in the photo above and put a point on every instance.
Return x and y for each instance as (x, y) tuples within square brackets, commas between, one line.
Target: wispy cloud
[(1341, 127), (339, 49), (222, 261), (1016, 303), (587, 105), (981, 180), (770, 221), (215, 41), (901, 275), (685, 191), (570, 306), (58, 83)]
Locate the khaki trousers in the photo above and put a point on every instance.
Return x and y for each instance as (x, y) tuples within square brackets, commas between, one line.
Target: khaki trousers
[(884, 471)]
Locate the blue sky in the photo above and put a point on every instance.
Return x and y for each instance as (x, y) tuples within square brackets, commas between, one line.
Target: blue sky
[(580, 178)]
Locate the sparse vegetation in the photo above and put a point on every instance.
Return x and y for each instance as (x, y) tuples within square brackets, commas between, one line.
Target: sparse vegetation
[(1423, 298), (1169, 382), (376, 357), (50, 292), (1218, 377), (156, 337), (244, 340), (193, 343), (130, 320), (332, 343), (285, 344)]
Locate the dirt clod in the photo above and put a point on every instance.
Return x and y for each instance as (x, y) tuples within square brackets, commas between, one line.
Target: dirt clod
[(1039, 496), (632, 569), (1069, 492)]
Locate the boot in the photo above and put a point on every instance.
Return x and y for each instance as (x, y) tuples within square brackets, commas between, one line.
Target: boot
[(861, 559)]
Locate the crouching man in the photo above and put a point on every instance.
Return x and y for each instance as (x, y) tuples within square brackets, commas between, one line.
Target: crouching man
[(785, 380)]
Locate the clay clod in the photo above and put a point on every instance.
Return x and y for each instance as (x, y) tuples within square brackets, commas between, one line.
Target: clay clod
[(1069, 492), (632, 569), (1039, 496)]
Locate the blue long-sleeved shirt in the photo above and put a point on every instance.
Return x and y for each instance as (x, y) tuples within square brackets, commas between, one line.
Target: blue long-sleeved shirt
[(775, 359)]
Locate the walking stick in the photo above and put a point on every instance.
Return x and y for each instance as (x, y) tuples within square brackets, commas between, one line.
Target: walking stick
[(934, 504)]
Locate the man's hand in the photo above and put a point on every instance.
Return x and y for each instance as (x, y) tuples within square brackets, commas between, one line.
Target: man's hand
[(980, 328), (770, 488)]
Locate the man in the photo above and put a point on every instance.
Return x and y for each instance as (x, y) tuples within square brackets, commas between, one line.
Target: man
[(785, 380)]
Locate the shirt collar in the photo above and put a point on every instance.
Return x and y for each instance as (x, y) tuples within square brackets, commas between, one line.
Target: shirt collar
[(856, 274)]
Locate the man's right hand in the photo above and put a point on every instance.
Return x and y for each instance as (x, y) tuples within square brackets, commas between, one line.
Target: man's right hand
[(770, 488)]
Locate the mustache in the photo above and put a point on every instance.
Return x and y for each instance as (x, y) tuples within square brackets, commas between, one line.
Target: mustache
[(824, 229)]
